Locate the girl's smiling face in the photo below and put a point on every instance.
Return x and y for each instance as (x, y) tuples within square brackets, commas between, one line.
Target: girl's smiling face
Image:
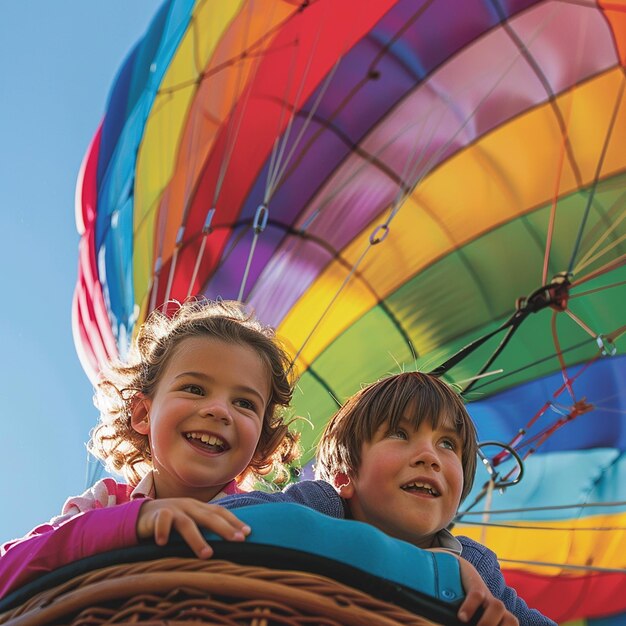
[(204, 419)]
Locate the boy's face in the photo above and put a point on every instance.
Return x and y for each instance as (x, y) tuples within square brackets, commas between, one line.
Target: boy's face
[(410, 481)]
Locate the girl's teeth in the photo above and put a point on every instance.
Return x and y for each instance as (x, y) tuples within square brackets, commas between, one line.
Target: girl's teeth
[(210, 440)]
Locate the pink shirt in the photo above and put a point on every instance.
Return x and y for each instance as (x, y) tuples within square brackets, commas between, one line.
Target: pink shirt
[(103, 518), (108, 492)]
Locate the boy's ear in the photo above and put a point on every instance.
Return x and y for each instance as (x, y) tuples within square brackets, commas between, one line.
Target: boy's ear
[(343, 485), (140, 414)]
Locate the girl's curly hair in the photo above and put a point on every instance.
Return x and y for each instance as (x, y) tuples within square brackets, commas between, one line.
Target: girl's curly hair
[(124, 450)]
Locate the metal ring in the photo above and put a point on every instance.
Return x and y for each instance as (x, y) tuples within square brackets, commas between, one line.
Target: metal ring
[(207, 222), (180, 235), (374, 238), (501, 484), (607, 347), (260, 218)]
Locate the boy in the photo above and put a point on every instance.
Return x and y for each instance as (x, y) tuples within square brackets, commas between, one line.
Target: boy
[(401, 455)]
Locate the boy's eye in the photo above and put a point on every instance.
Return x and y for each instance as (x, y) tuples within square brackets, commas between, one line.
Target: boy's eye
[(196, 390), (398, 433), (450, 444)]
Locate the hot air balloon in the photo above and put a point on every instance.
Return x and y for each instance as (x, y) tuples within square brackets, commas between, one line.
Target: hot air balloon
[(397, 185)]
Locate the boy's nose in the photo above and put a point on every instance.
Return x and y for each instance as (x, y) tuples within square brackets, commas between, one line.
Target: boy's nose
[(426, 456)]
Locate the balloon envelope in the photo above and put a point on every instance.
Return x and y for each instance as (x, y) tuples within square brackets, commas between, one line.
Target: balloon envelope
[(385, 183)]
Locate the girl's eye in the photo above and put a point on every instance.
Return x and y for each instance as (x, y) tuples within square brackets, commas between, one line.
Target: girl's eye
[(196, 390), (245, 404)]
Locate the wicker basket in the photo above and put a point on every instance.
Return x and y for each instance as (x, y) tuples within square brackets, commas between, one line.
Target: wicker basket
[(189, 591)]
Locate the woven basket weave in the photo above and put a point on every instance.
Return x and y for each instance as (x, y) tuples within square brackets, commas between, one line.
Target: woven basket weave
[(189, 591)]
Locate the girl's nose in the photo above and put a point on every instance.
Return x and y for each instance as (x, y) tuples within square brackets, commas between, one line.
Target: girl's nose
[(217, 409)]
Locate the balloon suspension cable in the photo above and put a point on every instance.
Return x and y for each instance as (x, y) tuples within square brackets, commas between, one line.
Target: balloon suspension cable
[(206, 231), (533, 443), (605, 269), (282, 137), (280, 162), (155, 283), (234, 125), (555, 198), (606, 343), (259, 224), (596, 178), (170, 277), (487, 514), (480, 377), (378, 235), (555, 294), (564, 119), (580, 407), (561, 358), (556, 507), (535, 363), (582, 294), (593, 254), (555, 529), (582, 568), (581, 323)]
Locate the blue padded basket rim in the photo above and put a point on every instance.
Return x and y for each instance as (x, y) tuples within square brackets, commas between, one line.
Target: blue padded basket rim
[(329, 537), (278, 531)]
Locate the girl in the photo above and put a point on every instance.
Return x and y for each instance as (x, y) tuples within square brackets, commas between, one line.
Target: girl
[(187, 418)]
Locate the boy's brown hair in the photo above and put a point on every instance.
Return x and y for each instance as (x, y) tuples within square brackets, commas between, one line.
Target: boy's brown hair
[(415, 395), (124, 450)]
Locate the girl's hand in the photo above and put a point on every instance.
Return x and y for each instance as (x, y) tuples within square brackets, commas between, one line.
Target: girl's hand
[(477, 596), (157, 518)]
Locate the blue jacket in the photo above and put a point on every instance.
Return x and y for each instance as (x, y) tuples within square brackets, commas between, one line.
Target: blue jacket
[(321, 496)]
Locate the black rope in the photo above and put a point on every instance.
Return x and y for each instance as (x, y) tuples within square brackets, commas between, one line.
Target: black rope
[(555, 294)]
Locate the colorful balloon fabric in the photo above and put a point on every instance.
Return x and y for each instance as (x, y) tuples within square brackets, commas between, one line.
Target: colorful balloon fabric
[(386, 182)]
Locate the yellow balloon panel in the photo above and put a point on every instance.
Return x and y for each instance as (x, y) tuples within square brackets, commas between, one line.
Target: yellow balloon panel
[(593, 112), (318, 306), (595, 541)]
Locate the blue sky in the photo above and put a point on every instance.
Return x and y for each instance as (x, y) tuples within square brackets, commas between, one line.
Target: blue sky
[(57, 63)]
